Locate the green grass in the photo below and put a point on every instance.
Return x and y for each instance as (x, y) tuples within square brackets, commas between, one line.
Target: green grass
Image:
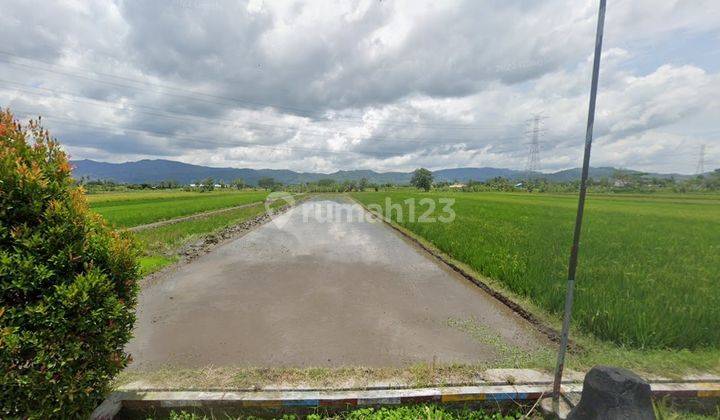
[(408, 412), (649, 264), (167, 237), (663, 411), (153, 262), (129, 209), (161, 243)]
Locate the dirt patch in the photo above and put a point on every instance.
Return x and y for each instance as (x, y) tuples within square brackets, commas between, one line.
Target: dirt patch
[(212, 378)]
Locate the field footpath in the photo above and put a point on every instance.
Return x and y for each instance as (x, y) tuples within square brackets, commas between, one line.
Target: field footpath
[(500, 388), (542, 326), (190, 217), (197, 216)]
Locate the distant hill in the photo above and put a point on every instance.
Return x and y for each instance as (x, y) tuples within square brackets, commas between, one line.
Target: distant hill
[(605, 172), (151, 171), (477, 174)]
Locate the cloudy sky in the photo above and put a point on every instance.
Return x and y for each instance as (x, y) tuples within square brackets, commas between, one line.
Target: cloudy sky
[(377, 84)]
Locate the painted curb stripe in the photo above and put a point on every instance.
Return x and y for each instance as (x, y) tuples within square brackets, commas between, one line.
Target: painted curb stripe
[(262, 403), (709, 393), (180, 403), (379, 401), (462, 397), (431, 396), (339, 402), (169, 399), (301, 403), (420, 399), (677, 393), (507, 396)]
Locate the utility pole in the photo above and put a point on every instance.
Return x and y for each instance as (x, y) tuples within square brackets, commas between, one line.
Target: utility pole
[(572, 266), (533, 162), (701, 161)]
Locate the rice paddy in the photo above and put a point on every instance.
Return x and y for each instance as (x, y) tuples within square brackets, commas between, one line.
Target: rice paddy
[(128, 209), (159, 244)]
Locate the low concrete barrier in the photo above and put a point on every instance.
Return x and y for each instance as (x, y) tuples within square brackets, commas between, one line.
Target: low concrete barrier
[(481, 394)]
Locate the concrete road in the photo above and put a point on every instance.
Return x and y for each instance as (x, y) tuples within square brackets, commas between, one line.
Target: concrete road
[(307, 291)]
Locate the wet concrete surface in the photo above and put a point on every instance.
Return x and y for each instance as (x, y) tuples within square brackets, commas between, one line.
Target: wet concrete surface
[(304, 290)]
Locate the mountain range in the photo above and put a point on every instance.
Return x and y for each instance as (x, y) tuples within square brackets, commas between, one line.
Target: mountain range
[(152, 171)]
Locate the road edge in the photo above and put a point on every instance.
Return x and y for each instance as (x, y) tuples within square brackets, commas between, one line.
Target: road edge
[(488, 395)]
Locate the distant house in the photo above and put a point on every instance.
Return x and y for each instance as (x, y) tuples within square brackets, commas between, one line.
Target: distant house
[(217, 186), (457, 185), (193, 185), (519, 185)]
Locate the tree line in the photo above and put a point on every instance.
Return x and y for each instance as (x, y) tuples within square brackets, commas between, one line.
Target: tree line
[(619, 181)]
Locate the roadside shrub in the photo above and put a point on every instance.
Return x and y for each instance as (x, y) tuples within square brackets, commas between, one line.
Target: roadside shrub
[(68, 284)]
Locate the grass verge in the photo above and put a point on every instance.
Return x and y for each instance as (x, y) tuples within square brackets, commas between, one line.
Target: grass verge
[(663, 411), (161, 244), (408, 412), (418, 375)]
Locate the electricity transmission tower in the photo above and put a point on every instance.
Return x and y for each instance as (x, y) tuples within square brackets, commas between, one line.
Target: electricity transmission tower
[(701, 161), (533, 161)]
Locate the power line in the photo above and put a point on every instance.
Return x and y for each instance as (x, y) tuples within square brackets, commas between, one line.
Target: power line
[(143, 83), (213, 99), (157, 112), (211, 140), (371, 141), (208, 141)]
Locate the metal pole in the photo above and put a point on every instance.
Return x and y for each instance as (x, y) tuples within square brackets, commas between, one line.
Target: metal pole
[(572, 267)]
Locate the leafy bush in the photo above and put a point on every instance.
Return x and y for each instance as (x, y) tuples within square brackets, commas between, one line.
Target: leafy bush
[(68, 284)]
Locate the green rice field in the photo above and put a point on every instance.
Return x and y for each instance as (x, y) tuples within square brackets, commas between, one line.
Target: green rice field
[(649, 274), (160, 244), (129, 209)]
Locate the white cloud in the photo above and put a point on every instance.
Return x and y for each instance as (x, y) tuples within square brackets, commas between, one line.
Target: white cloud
[(385, 85)]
